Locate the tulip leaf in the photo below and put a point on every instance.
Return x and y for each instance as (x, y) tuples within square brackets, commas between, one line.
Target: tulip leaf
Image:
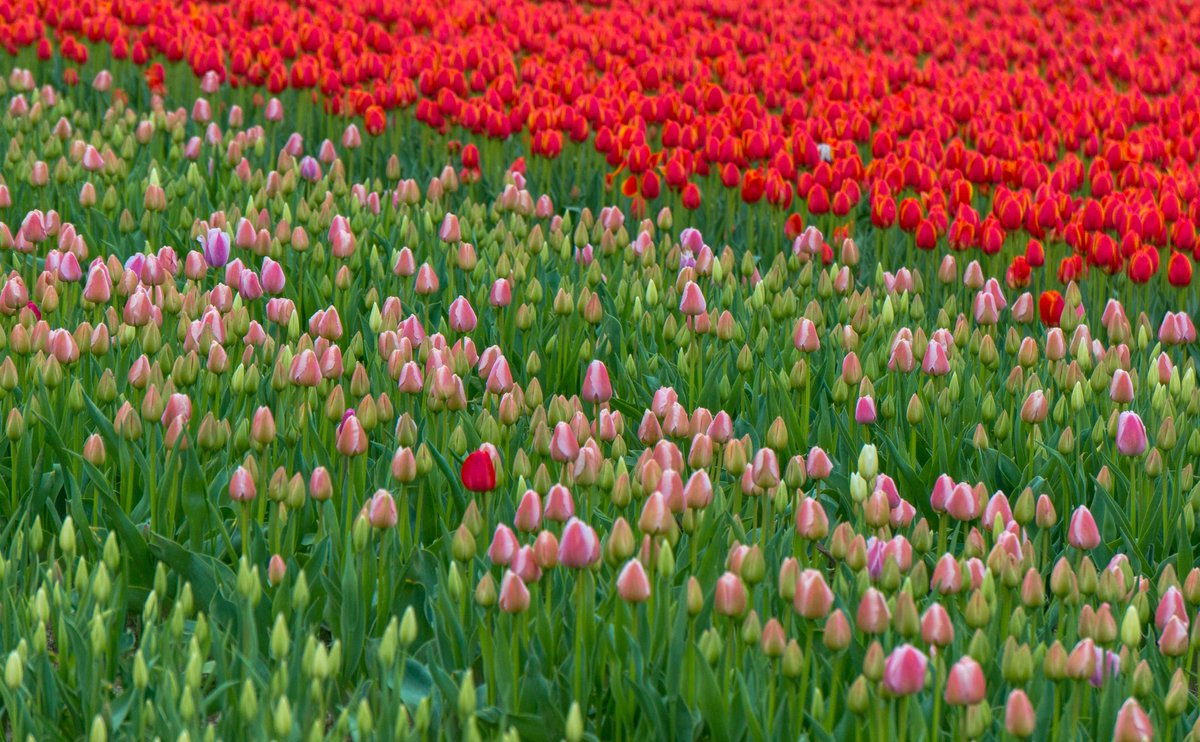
[(194, 497), (712, 703), (353, 627)]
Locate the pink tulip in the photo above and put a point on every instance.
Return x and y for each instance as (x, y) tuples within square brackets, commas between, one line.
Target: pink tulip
[(504, 545), (965, 684), (450, 232), (579, 547), (241, 486), (381, 511), (597, 388), (462, 316), (729, 599), (813, 598), (273, 280), (873, 615), (1020, 720), (1131, 434), (806, 338), (564, 447), (818, 463), (514, 596), (904, 671), (500, 294), (935, 361), (1173, 638), (1170, 605), (947, 575), (633, 586), (1133, 725), (692, 302), (936, 627), (864, 411), (351, 437), (1121, 389), (1083, 533), (528, 517)]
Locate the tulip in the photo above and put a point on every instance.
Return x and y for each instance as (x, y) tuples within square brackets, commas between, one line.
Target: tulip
[(904, 671), (633, 586), (1020, 720), (813, 598), (1133, 725), (504, 545), (449, 232), (597, 389), (215, 245), (1083, 533), (478, 472), (579, 546), (241, 486), (730, 596), (351, 437), (1131, 434), (691, 301), (382, 510), (965, 684), (514, 596)]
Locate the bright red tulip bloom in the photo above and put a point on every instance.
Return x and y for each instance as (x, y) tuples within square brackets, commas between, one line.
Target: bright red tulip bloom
[(478, 472)]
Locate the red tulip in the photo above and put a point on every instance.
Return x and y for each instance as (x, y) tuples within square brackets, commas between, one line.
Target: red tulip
[(479, 472), (1179, 270), (1050, 307)]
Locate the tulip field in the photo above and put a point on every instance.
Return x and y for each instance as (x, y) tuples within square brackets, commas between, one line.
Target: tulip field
[(708, 370)]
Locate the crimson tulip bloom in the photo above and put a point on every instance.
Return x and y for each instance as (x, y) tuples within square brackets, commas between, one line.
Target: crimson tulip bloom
[(1050, 308), (1179, 270), (479, 472)]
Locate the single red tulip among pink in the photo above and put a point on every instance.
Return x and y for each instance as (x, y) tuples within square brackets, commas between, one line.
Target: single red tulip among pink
[(478, 472), (904, 671)]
